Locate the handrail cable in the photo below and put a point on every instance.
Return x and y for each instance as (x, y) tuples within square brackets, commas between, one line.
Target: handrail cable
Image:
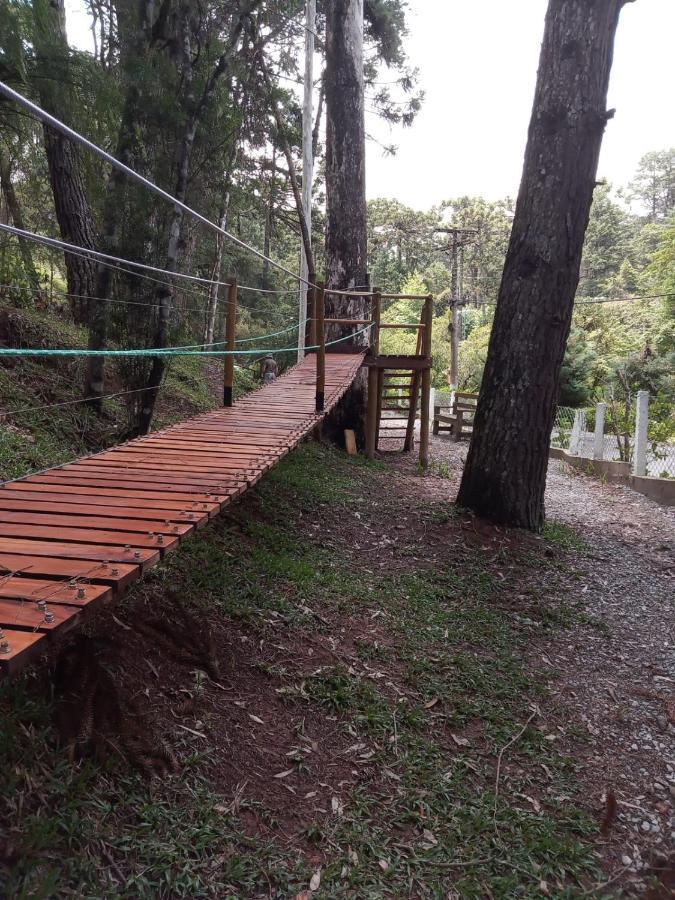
[(164, 351), (73, 135)]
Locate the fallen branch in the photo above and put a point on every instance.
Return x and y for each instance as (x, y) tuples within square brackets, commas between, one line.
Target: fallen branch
[(500, 756)]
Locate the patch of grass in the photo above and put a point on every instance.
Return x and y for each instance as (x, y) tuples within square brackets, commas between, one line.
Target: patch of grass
[(564, 536)]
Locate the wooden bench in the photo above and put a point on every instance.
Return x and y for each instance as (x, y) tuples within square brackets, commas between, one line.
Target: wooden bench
[(457, 419)]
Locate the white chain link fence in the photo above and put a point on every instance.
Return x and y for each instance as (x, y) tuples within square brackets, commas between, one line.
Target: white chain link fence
[(625, 434)]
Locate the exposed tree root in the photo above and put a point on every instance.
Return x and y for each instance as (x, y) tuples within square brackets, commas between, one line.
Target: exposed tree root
[(93, 718), (181, 635)]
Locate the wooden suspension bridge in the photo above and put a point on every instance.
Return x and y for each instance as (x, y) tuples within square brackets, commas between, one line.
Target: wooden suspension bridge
[(74, 537)]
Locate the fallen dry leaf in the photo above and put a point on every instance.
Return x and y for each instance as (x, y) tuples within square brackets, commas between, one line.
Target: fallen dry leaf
[(460, 741), (315, 881), (284, 774), (670, 711), (431, 703)]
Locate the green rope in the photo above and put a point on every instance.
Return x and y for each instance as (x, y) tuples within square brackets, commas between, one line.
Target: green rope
[(168, 351)]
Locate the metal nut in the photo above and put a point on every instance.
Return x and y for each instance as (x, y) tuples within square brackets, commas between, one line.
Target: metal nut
[(81, 593), (4, 647), (49, 618)]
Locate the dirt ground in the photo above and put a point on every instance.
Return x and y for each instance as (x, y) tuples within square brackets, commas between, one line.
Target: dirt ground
[(619, 682), (346, 688)]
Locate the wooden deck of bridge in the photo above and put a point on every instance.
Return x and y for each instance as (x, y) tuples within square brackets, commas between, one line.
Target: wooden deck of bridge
[(75, 537)]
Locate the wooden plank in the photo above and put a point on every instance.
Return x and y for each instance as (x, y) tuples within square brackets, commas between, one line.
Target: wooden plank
[(32, 502), (34, 589), (122, 481), (163, 496), (94, 552), (119, 576), (25, 615), (134, 539), (398, 362), (101, 523), (21, 648)]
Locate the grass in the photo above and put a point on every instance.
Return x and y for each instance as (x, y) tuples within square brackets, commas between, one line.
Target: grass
[(564, 536), (431, 705), (48, 437)]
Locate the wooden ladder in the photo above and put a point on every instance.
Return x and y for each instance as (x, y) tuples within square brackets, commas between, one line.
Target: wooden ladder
[(398, 391), (397, 405)]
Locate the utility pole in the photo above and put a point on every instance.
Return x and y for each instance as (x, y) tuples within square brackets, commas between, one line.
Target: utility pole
[(307, 165), (459, 238)]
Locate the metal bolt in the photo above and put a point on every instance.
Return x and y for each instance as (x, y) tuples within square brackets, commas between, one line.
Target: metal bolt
[(115, 571), (72, 585), (49, 618), (4, 645), (81, 593), (137, 554), (127, 548), (42, 605), (151, 535), (160, 538)]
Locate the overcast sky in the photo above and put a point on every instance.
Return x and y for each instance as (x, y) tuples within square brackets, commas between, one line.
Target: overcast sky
[(478, 63)]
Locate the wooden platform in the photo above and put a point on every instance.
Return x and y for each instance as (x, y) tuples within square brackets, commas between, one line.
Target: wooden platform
[(75, 537)]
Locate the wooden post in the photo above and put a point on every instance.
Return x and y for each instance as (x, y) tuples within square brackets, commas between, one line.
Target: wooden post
[(230, 330), (311, 316), (378, 396), (414, 390), (426, 382), (320, 304), (599, 436), (641, 423), (371, 416)]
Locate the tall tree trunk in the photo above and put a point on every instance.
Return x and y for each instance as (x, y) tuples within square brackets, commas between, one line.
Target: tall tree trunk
[(194, 112), (505, 474), (212, 303), (138, 22), (269, 219), (65, 171), (14, 208), (346, 233)]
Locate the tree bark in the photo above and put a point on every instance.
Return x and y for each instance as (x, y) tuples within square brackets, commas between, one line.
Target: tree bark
[(14, 208), (505, 474), (194, 109), (212, 303), (65, 172), (346, 232), (138, 21)]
